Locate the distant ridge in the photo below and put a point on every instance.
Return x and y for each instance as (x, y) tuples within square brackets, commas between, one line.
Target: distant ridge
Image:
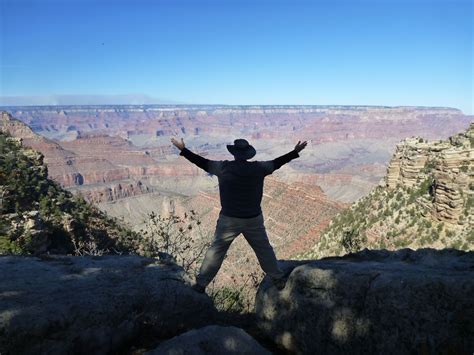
[(143, 101)]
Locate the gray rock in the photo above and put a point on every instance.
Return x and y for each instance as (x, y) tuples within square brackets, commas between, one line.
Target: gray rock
[(211, 340), (374, 302), (93, 305)]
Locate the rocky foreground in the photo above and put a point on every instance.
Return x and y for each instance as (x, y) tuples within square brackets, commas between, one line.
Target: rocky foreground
[(372, 302), (93, 305)]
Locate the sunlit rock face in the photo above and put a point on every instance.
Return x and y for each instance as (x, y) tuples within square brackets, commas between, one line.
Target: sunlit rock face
[(93, 305), (450, 163), (425, 200), (373, 302)]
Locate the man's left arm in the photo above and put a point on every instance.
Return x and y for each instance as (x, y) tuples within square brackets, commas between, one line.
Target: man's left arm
[(272, 165)]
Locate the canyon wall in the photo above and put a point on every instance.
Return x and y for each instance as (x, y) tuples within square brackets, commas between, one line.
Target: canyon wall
[(105, 144), (426, 199)]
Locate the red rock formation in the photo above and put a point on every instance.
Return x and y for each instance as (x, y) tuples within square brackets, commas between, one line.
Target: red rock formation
[(114, 192), (318, 123)]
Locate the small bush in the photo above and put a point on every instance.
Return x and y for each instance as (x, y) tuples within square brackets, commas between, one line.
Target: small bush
[(351, 241), (179, 237), (238, 297)]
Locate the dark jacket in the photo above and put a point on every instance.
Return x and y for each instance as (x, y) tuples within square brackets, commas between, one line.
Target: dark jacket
[(240, 181)]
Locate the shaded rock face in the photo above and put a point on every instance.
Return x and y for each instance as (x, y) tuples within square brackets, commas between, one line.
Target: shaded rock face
[(93, 305), (374, 302), (114, 191), (211, 340)]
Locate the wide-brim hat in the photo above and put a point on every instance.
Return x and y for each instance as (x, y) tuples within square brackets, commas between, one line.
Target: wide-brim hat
[(241, 149)]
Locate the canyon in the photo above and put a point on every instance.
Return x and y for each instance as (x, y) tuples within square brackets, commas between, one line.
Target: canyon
[(348, 153), (120, 158)]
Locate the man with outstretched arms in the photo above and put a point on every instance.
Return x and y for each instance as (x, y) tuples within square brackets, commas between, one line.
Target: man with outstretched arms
[(241, 189)]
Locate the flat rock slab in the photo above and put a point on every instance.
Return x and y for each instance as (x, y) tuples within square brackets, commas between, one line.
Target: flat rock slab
[(93, 305), (211, 340), (374, 302)]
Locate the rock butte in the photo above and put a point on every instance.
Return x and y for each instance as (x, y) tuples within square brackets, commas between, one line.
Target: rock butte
[(408, 168)]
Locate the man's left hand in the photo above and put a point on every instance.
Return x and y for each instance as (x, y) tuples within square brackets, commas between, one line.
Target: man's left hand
[(300, 146)]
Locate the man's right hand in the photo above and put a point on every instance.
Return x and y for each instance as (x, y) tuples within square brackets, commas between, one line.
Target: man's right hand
[(300, 146), (177, 144)]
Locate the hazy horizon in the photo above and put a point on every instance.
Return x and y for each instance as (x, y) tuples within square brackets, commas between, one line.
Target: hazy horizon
[(360, 52), (123, 100)]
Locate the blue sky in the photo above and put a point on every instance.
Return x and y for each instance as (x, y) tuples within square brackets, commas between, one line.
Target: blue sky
[(385, 52)]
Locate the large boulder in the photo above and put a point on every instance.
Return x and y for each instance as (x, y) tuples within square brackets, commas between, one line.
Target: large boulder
[(211, 340), (373, 302), (93, 305)]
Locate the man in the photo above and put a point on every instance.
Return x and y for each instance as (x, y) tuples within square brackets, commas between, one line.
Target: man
[(241, 189)]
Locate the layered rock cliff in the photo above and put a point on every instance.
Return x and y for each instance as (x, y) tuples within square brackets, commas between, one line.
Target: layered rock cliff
[(425, 200), (212, 121), (448, 164), (37, 215), (347, 140), (99, 162)]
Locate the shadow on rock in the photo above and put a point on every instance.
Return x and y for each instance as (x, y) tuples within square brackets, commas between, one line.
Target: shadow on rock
[(63, 304), (376, 302)]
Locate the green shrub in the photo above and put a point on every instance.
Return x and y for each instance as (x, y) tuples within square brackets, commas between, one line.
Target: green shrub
[(440, 227), (237, 296), (470, 202), (26, 188), (426, 187), (173, 235), (351, 241), (470, 236), (429, 166), (8, 246), (456, 244), (228, 299)]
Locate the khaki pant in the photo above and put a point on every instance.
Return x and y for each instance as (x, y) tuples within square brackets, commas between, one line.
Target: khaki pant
[(227, 229)]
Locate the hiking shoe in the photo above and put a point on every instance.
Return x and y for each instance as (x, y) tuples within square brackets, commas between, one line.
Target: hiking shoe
[(198, 288)]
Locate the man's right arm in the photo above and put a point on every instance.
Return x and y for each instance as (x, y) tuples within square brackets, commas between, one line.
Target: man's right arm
[(211, 166)]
